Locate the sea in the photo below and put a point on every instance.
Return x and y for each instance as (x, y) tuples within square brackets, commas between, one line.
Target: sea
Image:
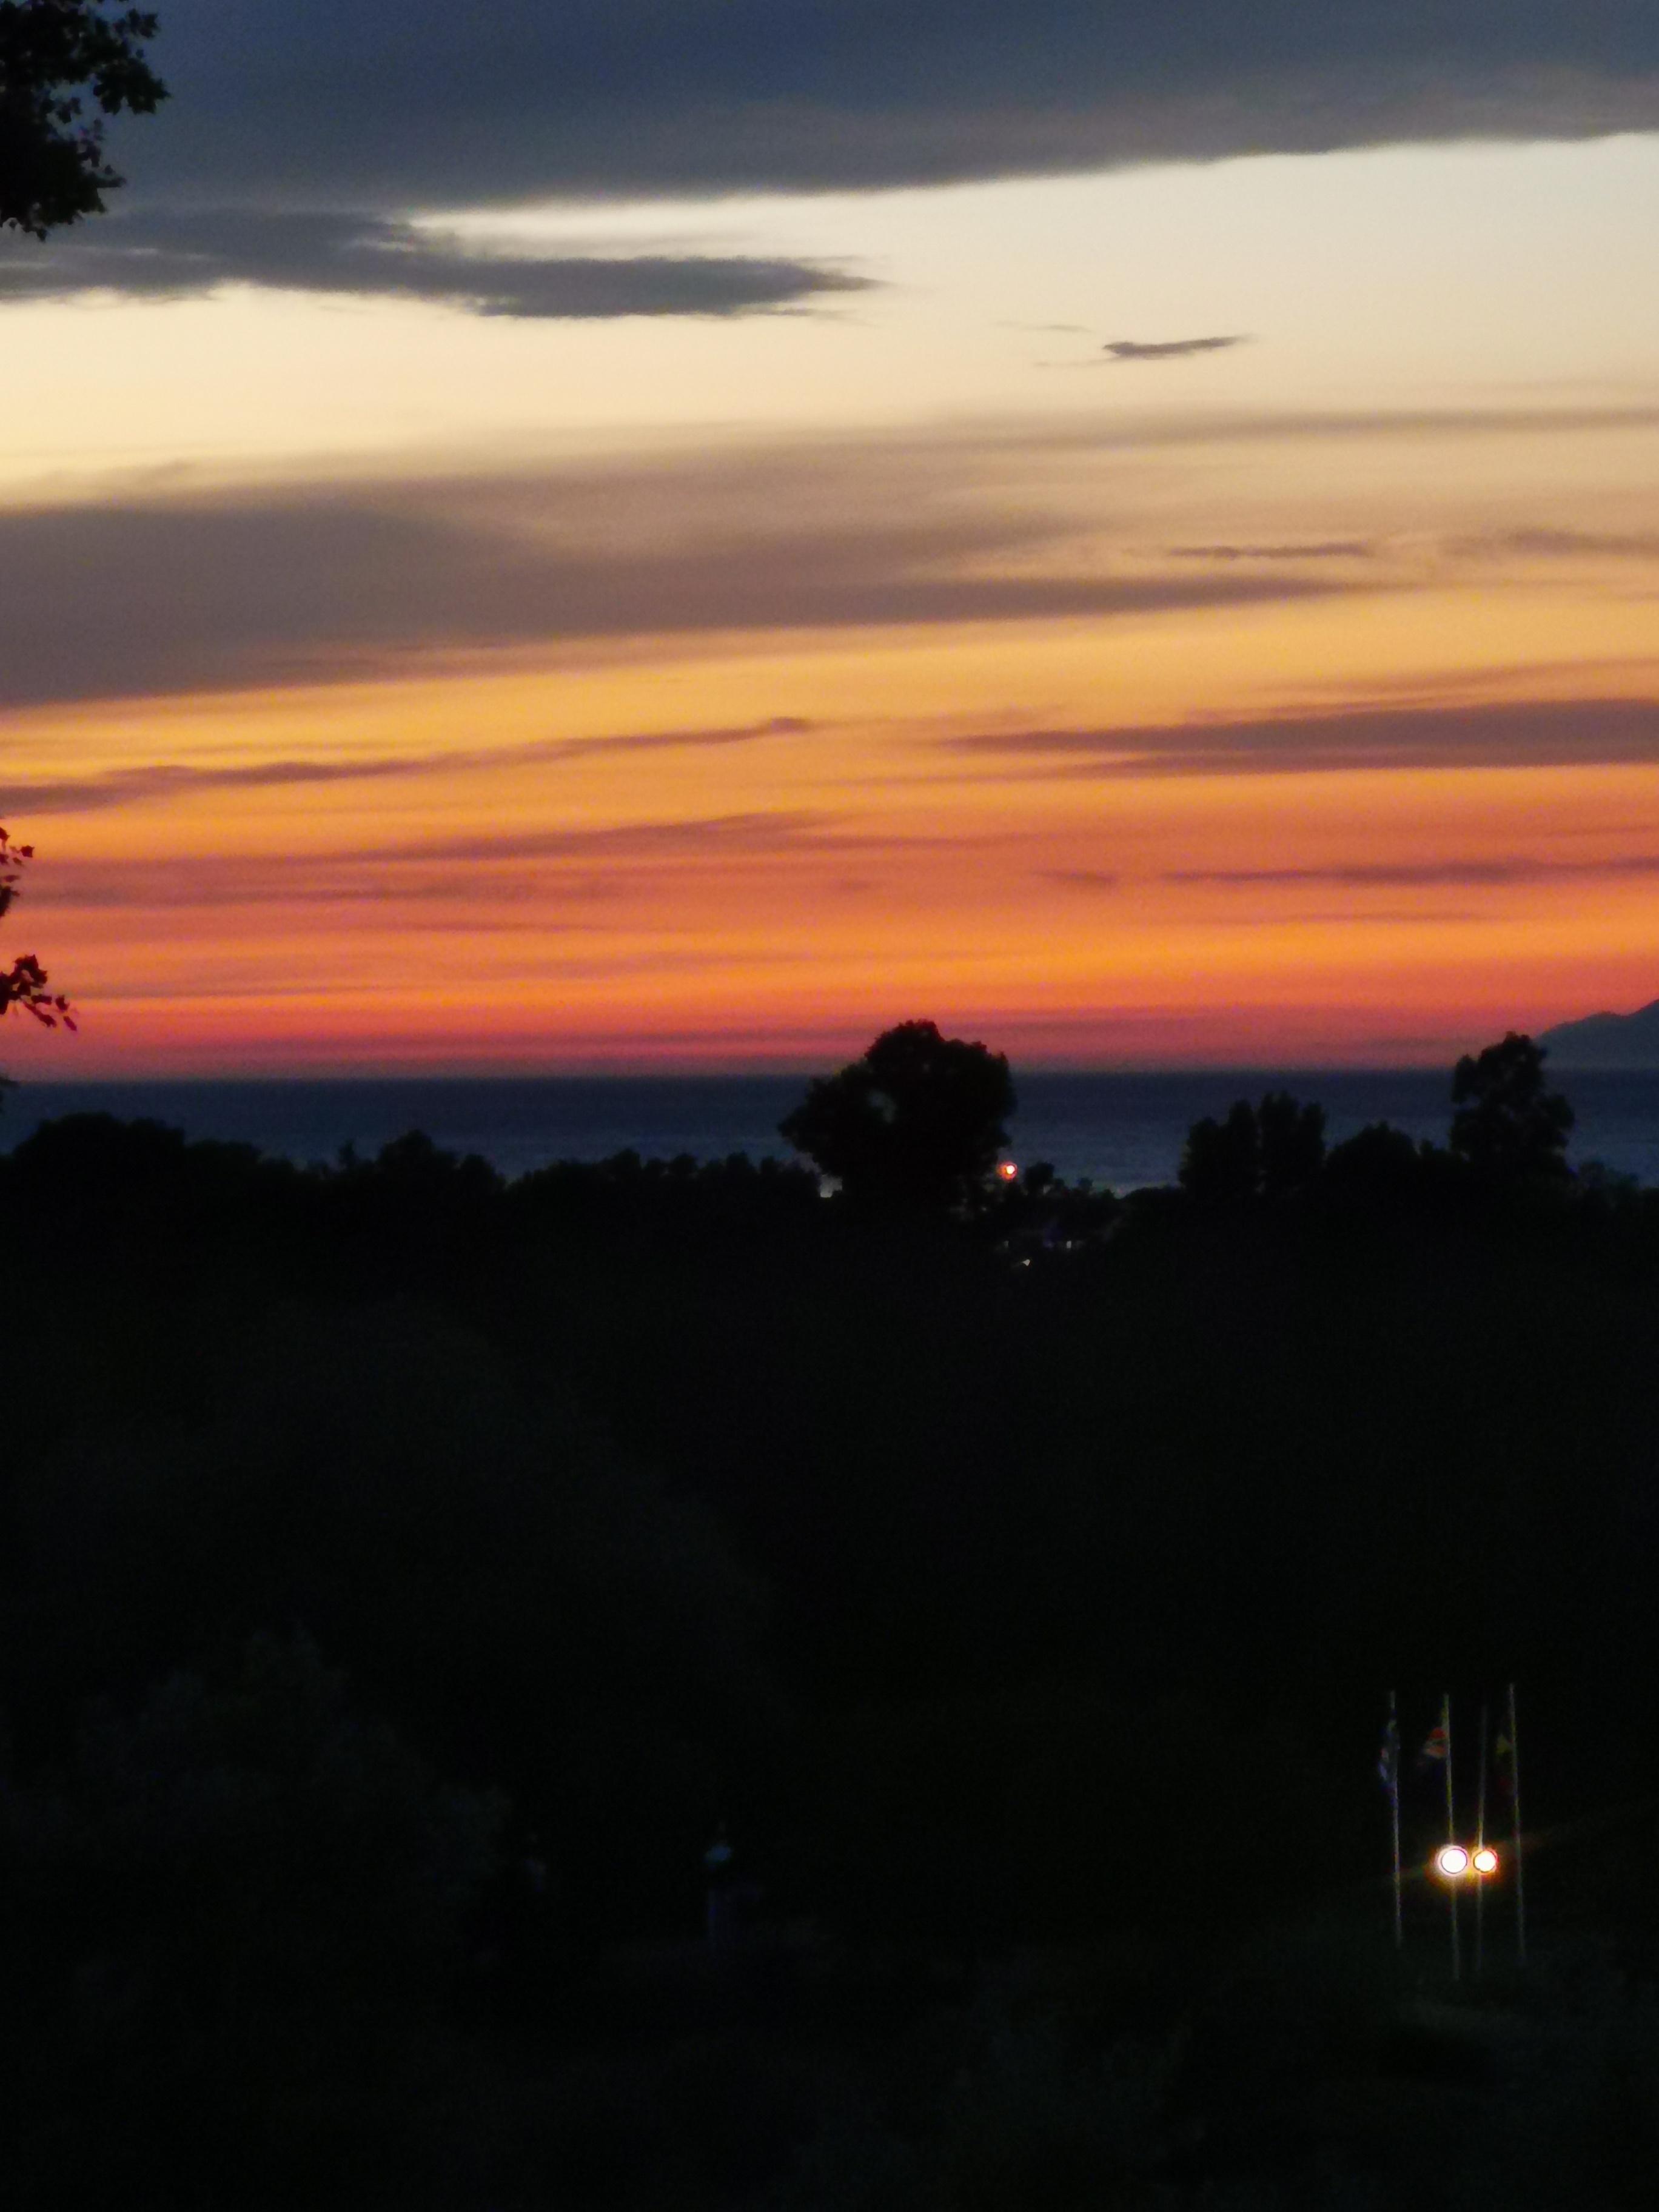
[(1122, 1131)]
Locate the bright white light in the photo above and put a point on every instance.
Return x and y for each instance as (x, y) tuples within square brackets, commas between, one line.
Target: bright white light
[(1452, 1861), (1007, 1170), (1486, 1859)]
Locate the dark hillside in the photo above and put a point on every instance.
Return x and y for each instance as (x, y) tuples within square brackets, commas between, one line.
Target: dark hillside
[(1015, 1579)]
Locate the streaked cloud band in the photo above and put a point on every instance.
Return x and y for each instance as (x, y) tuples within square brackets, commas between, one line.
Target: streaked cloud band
[(185, 253)]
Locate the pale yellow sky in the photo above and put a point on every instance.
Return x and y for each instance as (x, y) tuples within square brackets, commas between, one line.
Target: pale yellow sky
[(1412, 277)]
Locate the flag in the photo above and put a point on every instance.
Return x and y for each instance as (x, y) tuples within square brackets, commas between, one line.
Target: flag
[(1434, 1746), (1387, 1758), (1503, 1760)]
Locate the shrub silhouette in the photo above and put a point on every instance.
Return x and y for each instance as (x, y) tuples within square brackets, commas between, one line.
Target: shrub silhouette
[(233, 1923)]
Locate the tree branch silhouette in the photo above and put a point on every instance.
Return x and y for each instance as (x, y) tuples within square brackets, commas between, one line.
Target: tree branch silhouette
[(25, 983), (54, 54)]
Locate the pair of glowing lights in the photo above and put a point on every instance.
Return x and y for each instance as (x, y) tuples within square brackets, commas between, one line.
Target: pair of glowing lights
[(1452, 1862)]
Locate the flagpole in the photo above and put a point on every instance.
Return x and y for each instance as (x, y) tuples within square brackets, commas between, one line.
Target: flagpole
[(1479, 1841), (1393, 1812), (1451, 1835), (1515, 1808)]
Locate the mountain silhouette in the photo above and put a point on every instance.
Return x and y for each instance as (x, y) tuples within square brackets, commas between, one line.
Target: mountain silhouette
[(1605, 1040)]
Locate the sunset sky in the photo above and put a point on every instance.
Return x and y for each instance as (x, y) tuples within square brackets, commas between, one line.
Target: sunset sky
[(614, 535)]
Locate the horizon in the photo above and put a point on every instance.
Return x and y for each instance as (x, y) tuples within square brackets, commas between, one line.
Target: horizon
[(1229, 1070), (52, 1065)]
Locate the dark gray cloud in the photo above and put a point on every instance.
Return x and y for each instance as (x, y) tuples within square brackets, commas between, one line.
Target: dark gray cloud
[(764, 833), (1542, 544), (400, 103), (182, 253), (1331, 549), (1421, 690), (1286, 427), (268, 975), (1387, 917), (491, 898), (569, 876), (253, 588), (769, 834), (1382, 875), (1536, 733), (1194, 430), (164, 780), (1168, 349), (1428, 875), (237, 588)]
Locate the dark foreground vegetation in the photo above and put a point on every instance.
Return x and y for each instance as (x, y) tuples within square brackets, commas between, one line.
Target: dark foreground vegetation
[(408, 1577)]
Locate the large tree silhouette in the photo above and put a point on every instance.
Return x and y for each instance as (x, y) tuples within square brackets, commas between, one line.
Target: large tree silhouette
[(55, 56), (915, 1125), (1509, 1126)]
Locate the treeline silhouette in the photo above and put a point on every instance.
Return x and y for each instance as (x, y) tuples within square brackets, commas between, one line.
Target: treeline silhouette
[(407, 1573)]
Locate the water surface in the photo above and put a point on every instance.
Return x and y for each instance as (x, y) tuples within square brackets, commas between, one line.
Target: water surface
[(1122, 1130)]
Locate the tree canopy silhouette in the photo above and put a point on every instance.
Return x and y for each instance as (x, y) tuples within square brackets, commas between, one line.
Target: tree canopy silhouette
[(54, 53), (1266, 1152), (1508, 1126), (915, 1124)]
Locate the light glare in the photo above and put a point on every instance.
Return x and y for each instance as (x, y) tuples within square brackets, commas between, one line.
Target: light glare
[(1452, 1861), (1486, 1859)]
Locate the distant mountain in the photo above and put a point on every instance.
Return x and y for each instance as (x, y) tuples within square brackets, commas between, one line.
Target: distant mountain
[(1606, 1040)]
